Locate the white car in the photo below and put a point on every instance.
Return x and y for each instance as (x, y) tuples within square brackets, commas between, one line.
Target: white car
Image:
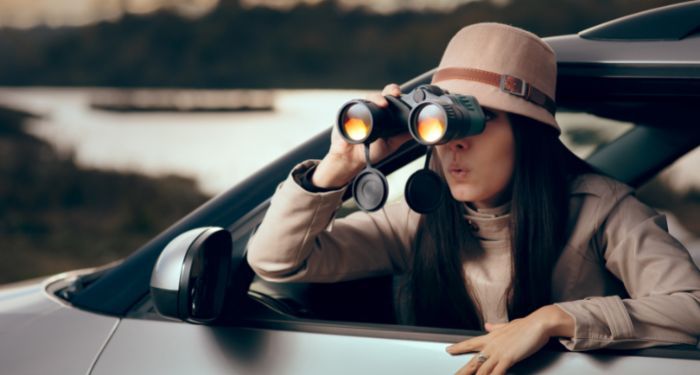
[(197, 308)]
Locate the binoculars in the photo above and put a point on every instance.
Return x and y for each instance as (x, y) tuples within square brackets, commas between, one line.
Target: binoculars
[(432, 116)]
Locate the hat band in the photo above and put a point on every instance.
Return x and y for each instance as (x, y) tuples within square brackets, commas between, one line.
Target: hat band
[(507, 83)]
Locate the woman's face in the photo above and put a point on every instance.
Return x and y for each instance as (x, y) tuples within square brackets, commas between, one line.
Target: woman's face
[(478, 169)]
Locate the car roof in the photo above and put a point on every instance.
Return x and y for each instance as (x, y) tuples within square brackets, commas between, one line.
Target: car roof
[(642, 68), (576, 49), (672, 22), (604, 78)]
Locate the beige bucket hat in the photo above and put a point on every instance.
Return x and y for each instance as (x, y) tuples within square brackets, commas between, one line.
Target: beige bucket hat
[(504, 67)]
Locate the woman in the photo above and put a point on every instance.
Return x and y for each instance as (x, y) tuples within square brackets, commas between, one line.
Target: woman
[(531, 244)]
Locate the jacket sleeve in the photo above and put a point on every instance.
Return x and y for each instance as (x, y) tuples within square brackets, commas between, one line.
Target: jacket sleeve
[(659, 275), (299, 240)]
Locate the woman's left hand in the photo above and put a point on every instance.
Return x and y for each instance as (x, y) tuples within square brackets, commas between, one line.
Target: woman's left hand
[(509, 343)]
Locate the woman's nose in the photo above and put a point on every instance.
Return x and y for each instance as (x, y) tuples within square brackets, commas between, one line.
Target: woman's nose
[(456, 145)]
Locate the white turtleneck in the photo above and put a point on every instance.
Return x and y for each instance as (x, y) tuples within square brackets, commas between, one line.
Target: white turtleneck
[(487, 266)]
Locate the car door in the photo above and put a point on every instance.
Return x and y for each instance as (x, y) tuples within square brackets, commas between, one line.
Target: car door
[(274, 334), (143, 346)]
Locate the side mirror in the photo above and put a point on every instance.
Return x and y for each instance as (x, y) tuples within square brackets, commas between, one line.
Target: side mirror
[(190, 277)]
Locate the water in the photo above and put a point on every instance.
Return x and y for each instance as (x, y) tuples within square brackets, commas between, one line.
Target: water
[(216, 149), (220, 149)]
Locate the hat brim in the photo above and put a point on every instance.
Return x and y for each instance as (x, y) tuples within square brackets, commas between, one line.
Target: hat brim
[(492, 97)]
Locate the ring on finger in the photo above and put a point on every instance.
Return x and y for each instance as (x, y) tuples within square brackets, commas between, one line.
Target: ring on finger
[(481, 357)]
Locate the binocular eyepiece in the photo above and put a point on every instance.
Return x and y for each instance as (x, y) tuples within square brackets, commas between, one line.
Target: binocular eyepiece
[(430, 114)]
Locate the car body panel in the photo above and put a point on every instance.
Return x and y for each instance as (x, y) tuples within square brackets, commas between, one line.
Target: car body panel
[(41, 335), (143, 346), (176, 348), (671, 22), (574, 49)]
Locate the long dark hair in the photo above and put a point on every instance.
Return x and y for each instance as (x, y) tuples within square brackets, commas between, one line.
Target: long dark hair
[(436, 292)]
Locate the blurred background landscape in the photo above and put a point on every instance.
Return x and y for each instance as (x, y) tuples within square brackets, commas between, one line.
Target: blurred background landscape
[(246, 44), (117, 117)]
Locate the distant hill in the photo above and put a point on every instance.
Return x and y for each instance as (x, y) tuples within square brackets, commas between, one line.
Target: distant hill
[(309, 46), (56, 216)]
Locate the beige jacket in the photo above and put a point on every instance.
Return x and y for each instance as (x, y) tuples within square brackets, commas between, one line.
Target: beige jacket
[(626, 282)]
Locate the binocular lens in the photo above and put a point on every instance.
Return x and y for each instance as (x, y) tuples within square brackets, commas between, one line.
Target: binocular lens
[(447, 118), (431, 124), (357, 123)]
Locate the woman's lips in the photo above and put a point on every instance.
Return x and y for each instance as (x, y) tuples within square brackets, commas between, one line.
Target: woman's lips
[(458, 172)]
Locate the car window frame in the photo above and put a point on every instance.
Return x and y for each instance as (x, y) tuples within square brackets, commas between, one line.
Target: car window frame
[(124, 286)]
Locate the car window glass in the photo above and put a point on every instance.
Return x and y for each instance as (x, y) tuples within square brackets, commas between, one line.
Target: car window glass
[(675, 191), (583, 133)]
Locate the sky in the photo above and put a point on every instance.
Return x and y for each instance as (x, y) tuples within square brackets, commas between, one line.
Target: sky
[(381, 6), (25, 14)]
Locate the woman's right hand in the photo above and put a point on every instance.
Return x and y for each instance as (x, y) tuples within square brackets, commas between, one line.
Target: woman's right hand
[(345, 160)]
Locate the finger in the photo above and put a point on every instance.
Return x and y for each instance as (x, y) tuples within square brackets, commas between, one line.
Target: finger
[(487, 366), (377, 99), (472, 345), (504, 363), (501, 368), (392, 89), (470, 367), (463, 370)]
